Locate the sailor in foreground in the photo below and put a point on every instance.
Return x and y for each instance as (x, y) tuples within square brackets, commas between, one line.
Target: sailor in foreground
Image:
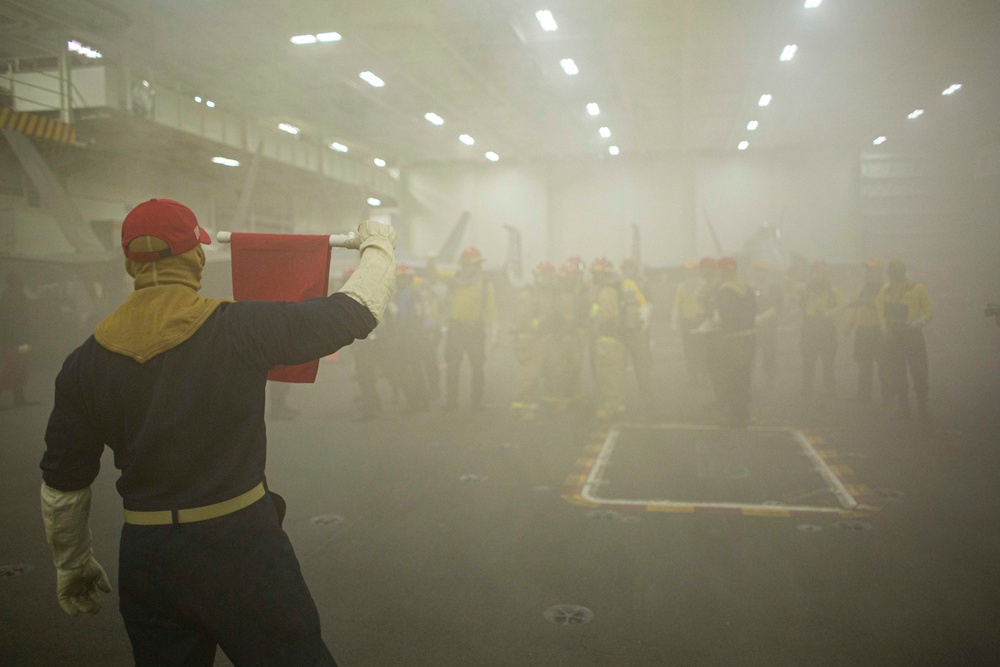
[(174, 384)]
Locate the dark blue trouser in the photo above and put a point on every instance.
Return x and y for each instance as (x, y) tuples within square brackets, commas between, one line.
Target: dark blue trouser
[(233, 582)]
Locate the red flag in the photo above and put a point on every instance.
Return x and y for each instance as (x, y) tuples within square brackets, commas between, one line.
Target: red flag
[(281, 267)]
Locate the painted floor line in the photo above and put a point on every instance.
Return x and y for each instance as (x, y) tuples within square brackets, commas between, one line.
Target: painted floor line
[(584, 487)]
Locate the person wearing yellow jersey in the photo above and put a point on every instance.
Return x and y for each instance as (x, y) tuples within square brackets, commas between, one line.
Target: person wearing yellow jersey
[(904, 309), (567, 338), (472, 313), (869, 343), (532, 312), (635, 323), (686, 315), (821, 302), (608, 349)]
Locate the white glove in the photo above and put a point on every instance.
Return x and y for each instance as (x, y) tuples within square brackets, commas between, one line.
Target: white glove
[(374, 281), (66, 516)]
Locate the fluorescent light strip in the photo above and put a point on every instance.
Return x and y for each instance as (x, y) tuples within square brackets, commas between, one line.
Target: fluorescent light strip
[(916, 113), (605, 132), (434, 118), (374, 202), (765, 99), (379, 162), (303, 39), (952, 89), (77, 47), (569, 66), (743, 145), (788, 52), (879, 141), (290, 129), (371, 79), (613, 150), (339, 147), (813, 4), (593, 109), (466, 139), (328, 36), (491, 156), (226, 161), (546, 20), (752, 125)]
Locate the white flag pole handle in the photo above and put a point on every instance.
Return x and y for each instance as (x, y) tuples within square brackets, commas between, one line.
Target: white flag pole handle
[(336, 240)]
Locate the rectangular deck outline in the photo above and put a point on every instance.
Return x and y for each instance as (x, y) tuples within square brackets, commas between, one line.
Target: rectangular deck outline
[(595, 476)]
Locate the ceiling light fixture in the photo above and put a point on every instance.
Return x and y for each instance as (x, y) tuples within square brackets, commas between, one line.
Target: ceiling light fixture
[(303, 39), (879, 141), (379, 162), (434, 118), (605, 132), (466, 139), (788, 52), (613, 150), (593, 109), (290, 129), (752, 125), (339, 147), (226, 161), (371, 79), (765, 99), (743, 145), (952, 89), (569, 66), (546, 20), (491, 156), (77, 47), (374, 202), (328, 36), (197, 99), (210, 104), (813, 4), (916, 113)]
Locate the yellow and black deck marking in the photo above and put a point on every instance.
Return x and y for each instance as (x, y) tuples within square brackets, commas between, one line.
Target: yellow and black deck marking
[(40, 127), (582, 485)]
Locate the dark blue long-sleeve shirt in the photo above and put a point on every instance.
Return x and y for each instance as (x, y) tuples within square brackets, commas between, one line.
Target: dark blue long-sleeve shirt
[(187, 427)]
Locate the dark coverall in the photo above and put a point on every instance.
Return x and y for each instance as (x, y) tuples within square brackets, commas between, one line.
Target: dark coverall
[(187, 430), (903, 309), (712, 346), (409, 347)]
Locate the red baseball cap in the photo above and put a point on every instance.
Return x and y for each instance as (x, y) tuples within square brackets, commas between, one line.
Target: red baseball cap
[(165, 219)]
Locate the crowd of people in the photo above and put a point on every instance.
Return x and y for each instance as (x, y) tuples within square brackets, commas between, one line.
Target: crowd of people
[(573, 318)]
